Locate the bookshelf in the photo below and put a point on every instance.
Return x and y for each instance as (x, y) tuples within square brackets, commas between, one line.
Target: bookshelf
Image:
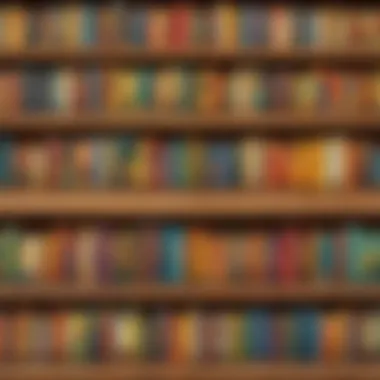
[(153, 294), (264, 371), (195, 205), (119, 54), (187, 204), (171, 122)]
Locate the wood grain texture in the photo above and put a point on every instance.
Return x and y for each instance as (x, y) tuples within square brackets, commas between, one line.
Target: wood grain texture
[(124, 54), (181, 204), (205, 372), (157, 293), (190, 122)]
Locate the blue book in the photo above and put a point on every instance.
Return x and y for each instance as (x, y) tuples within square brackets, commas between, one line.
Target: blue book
[(6, 153), (173, 254), (89, 24), (305, 19), (374, 165), (175, 164), (326, 256), (221, 161), (137, 18), (259, 335), (253, 25), (306, 335)]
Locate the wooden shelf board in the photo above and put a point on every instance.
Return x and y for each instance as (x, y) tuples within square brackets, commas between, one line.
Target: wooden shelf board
[(160, 371), (190, 122), (253, 292), (125, 54), (188, 204)]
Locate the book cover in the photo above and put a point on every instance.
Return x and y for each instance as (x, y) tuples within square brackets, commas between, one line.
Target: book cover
[(305, 19), (253, 153), (15, 27), (7, 149), (226, 22), (144, 91), (179, 17), (158, 26), (137, 22), (281, 27), (240, 90), (71, 24)]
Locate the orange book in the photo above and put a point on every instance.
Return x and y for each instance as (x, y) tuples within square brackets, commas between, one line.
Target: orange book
[(277, 165), (211, 91), (281, 33), (334, 336), (199, 255), (58, 335), (15, 24), (158, 27)]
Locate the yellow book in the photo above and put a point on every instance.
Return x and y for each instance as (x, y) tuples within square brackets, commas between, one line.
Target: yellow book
[(252, 156), (31, 256), (75, 331), (189, 335), (240, 90), (315, 158), (226, 25), (167, 88), (236, 338), (71, 25), (306, 92), (139, 166), (14, 27), (132, 335), (196, 151)]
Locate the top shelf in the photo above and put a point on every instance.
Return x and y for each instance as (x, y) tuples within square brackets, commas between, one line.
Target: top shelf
[(122, 54)]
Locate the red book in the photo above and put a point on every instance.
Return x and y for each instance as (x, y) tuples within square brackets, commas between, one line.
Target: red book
[(286, 257), (56, 162), (158, 163), (277, 167), (179, 30)]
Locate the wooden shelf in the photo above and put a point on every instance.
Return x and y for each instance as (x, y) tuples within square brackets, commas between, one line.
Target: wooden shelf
[(196, 372), (125, 54), (188, 204), (191, 122), (243, 293)]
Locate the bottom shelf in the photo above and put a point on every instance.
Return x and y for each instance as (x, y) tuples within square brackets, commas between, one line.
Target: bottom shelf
[(160, 371)]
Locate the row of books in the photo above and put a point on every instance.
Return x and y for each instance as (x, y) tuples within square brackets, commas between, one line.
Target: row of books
[(242, 89), (126, 161), (178, 254), (191, 335), (220, 24)]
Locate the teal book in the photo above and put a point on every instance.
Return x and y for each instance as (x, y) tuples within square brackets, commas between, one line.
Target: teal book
[(10, 249), (176, 165), (188, 90), (363, 255), (6, 154), (356, 248), (126, 150), (306, 333), (305, 19), (144, 93), (258, 335), (173, 253), (89, 25)]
